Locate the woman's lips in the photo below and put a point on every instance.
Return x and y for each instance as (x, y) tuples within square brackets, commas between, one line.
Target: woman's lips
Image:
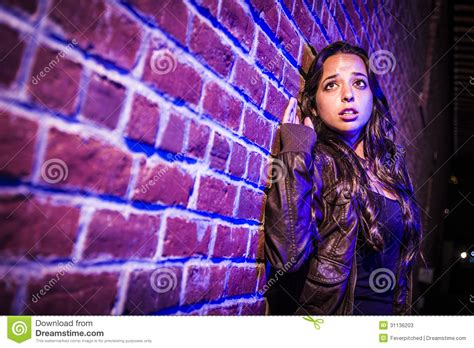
[(349, 117)]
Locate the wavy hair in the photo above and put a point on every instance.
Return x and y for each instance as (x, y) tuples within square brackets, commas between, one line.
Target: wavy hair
[(384, 159)]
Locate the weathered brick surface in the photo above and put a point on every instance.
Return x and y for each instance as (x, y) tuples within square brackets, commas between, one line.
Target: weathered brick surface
[(72, 293), (144, 120), (85, 163), (18, 137), (110, 235), (11, 51), (33, 229), (104, 101), (55, 81), (162, 183)]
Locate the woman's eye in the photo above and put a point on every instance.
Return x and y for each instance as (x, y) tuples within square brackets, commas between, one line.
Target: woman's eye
[(328, 85), (361, 83)]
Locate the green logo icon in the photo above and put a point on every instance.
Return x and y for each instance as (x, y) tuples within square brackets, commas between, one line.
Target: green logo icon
[(315, 322), (383, 325), (19, 328), (383, 338)]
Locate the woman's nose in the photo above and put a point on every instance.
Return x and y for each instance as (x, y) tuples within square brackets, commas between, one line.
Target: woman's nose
[(347, 94)]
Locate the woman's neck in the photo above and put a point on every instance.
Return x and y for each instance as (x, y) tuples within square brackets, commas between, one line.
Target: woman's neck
[(356, 142)]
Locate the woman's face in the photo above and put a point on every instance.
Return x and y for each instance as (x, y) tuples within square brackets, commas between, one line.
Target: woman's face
[(344, 86)]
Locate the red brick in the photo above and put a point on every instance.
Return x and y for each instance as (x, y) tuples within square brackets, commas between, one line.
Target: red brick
[(238, 160), (204, 283), (73, 294), (268, 56), (216, 196), (222, 106), (172, 16), (340, 17), (163, 183), (144, 120), (210, 5), (113, 236), (276, 102), (242, 280), (104, 101), (152, 290), (17, 144), (329, 23), (230, 242), (351, 11), (255, 162), (198, 139), (100, 28), (250, 204), (268, 11), (292, 80), (249, 80), (289, 4), (253, 308), (256, 245), (207, 45), (33, 229), (224, 310), (238, 22), (220, 152), (318, 41), (55, 87), (91, 164), (173, 135), (185, 238), (303, 18), (11, 51), (288, 37), (165, 72), (257, 129)]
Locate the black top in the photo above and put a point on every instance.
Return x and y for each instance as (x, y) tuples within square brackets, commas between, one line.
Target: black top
[(376, 271)]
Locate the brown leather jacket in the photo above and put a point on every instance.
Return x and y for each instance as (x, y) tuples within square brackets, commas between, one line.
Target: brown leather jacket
[(310, 234)]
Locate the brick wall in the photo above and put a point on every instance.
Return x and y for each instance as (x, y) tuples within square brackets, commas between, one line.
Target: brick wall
[(134, 140)]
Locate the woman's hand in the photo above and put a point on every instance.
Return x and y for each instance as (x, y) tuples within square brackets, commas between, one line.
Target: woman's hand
[(293, 114)]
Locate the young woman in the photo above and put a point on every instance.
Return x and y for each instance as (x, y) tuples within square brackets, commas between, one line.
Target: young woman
[(342, 228)]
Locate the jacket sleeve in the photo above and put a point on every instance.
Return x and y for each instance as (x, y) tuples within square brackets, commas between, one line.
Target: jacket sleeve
[(290, 225)]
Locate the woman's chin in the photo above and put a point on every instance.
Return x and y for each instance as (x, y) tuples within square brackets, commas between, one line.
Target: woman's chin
[(348, 129)]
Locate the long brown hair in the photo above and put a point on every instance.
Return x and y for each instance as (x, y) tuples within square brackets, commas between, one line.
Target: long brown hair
[(384, 158)]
